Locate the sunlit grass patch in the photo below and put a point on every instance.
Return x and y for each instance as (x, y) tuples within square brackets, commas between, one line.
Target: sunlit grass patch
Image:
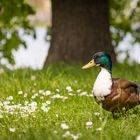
[(56, 103)]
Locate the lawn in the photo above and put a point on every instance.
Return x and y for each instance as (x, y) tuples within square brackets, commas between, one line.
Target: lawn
[(56, 103)]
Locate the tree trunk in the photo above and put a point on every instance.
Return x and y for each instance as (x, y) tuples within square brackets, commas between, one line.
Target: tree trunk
[(79, 29)]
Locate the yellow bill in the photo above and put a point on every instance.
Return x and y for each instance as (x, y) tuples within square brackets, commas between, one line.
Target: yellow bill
[(89, 65)]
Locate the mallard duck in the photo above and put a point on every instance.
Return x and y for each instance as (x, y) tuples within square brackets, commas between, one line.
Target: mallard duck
[(114, 94)]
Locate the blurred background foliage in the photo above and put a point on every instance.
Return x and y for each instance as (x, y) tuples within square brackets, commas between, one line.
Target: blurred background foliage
[(124, 19), (13, 16)]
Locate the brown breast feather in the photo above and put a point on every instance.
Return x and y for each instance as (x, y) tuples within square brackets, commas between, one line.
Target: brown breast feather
[(124, 94)]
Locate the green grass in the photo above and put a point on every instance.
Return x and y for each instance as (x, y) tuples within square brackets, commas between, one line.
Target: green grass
[(75, 111)]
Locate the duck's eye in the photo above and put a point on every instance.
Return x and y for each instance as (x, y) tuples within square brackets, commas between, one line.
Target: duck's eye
[(96, 57)]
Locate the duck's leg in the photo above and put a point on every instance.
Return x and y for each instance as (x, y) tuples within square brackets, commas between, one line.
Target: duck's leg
[(114, 115), (115, 112), (124, 111), (119, 112)]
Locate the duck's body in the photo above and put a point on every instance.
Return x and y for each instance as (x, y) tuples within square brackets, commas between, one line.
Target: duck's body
[(124, 94), (113, 93)]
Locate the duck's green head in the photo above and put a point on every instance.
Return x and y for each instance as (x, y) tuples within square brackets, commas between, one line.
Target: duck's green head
[(100, 59)]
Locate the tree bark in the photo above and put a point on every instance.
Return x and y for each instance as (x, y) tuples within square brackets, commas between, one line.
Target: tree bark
[(79, 29)]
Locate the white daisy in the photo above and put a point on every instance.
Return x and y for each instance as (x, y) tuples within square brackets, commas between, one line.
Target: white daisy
[(83, 93), (99, 129), (138, 137), (10, 98), (89, 124), (12, 129), (64, 126), (20, 92), (69, 89), (47, 93)]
